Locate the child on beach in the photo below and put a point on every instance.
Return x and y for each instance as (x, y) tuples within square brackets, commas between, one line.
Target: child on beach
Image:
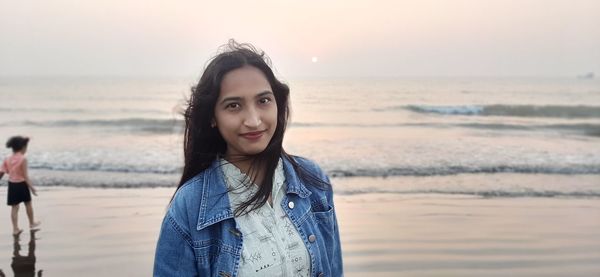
[(19, 185)]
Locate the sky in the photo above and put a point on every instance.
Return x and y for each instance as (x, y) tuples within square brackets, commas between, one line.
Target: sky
[(312, 38)]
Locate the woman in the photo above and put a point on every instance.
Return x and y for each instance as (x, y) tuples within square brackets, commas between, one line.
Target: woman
[(19, 185), (244, 207)]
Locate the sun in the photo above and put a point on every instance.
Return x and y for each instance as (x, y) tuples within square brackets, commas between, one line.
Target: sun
[(315, 59)]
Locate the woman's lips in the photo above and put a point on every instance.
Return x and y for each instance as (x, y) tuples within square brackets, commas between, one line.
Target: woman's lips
[(253, 135)]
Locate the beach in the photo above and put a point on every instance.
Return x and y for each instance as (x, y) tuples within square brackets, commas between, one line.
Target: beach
[(113, 232)]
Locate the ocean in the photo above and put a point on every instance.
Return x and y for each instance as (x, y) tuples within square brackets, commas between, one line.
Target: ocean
[(444, 135)]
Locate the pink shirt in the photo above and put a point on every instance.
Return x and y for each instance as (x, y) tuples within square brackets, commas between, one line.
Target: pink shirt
[(13, 166)]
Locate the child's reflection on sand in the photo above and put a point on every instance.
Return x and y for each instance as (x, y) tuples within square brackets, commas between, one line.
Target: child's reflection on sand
[(24, 265)]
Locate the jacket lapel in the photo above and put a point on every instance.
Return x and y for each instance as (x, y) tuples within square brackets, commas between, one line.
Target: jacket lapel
[(214, 201)]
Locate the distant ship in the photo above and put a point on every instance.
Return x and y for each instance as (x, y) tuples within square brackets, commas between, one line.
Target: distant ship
[(589, 75)]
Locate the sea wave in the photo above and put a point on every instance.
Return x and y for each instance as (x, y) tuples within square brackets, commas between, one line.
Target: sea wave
[(151, 125), (354, 172), (105, 167), (588, 129), (455, 170), (82, 111), (175, 125), (166, 124), (555, 111), (530, 185), (173, 181), (170, 126), (497, 193), (128, 122)]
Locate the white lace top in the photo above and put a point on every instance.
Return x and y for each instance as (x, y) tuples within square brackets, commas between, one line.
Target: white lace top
[(271, 244)]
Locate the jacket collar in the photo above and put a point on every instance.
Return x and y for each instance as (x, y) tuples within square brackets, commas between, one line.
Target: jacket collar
[(214, 201)]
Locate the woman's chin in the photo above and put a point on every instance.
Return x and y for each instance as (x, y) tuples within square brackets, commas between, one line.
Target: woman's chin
[(254, 150)]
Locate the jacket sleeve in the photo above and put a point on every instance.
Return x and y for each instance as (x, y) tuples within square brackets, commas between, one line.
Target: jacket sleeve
[(174, 250), (337, 264)]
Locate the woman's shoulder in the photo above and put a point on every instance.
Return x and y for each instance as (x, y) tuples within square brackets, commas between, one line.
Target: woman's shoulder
[(186, 200), (306, 163), (190, 187), (311, 173), (190, 192)]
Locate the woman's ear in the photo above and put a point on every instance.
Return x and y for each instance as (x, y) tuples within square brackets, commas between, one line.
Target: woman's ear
[(213, 123)]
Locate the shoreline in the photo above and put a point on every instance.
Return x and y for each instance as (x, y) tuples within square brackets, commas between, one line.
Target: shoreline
[(489, 185)]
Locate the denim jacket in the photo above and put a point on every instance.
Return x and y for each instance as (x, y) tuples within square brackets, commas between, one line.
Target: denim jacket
[(199, 236)]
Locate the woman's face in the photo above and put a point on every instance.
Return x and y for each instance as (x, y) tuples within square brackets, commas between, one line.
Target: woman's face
[(246, 111)]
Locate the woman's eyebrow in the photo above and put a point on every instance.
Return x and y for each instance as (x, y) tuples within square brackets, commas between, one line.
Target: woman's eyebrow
[(237, 98), (266, 92), (232, 98)]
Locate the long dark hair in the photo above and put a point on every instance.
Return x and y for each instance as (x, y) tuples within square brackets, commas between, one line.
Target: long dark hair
[(203, 143)]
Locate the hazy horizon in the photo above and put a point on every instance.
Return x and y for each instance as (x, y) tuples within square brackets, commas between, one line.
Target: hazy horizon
[(302, 77), (304, 39)]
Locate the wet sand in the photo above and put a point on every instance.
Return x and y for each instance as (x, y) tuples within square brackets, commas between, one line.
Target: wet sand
[(113, 232)]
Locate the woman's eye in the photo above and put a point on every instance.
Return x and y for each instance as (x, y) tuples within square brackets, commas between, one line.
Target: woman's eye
[(232, 106), (264, 100)]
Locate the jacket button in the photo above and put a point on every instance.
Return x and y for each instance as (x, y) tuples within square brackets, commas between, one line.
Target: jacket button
[(321, 274), (312, 238), (291, 205)]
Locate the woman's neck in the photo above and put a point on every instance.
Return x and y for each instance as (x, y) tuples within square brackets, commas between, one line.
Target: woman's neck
[(244, 164)]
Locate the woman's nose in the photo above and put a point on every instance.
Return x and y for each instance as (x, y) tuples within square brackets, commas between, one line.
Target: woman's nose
[(252, 119)]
